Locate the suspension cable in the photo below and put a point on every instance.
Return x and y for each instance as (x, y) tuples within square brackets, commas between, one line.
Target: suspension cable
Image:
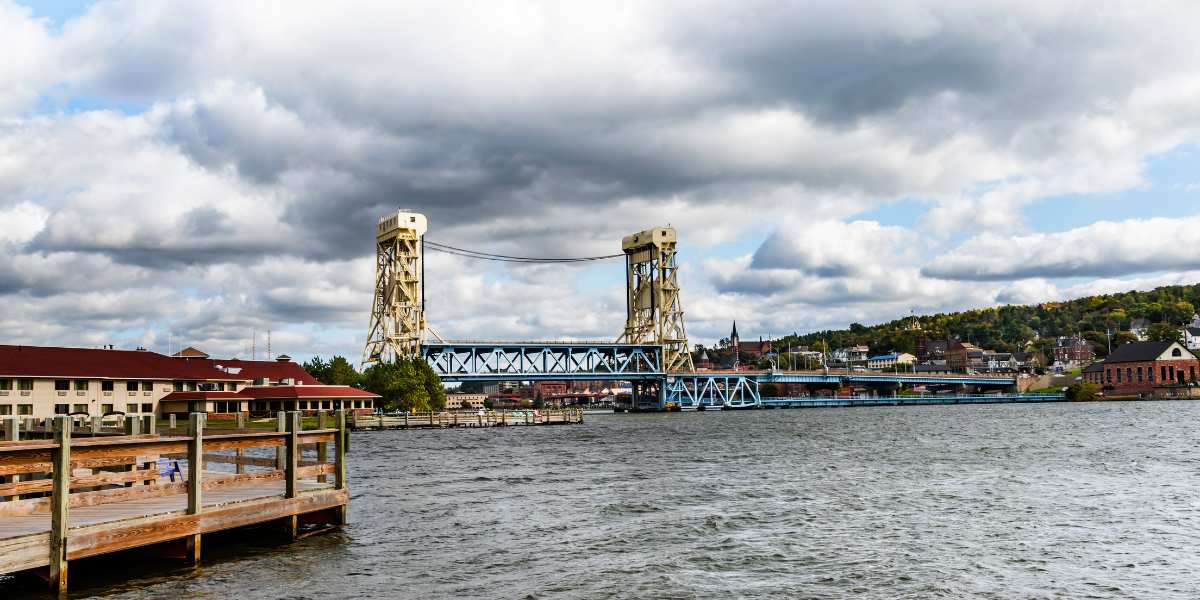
[(448, 249)]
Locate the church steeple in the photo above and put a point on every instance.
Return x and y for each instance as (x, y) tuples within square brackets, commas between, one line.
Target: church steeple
[(733, 336)]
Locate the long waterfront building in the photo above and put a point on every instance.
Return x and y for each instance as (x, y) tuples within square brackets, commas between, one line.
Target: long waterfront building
[(38, 381)]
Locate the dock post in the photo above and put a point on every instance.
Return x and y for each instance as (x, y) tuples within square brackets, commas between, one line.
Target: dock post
[(132, 425), (150, 423), (280, 427), (322, 447), (339, 461), (97, 424), (60, 500), (11, 433), (291, 485), (406, 419), (171, 420), (195, 487), (241, 420)]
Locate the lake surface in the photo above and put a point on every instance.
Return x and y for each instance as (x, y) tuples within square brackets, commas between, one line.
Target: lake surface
[(1002, 501)]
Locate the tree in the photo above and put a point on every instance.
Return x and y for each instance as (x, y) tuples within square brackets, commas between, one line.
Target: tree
[(405, 385), (317, 368), (1081, 391), (1164, 332), (339, 372)]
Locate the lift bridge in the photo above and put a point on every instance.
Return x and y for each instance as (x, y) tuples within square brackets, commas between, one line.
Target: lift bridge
[(651, 353)]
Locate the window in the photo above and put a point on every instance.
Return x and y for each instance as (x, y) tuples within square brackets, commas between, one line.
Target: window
[(25, 385), (178, 386), (106, 386), (1129, 374), (1139, 374), (79, 408), (1108, 374), (106, 409), (1192, 370), (24, 409), (147, 407), (1150, 374), (5, 409), (1118, 376), (230, 386), (1164, 373), (5, 384), (62, 409), (1176, 352), (147, 386), (130, 408), (61, 385), (81, 385)]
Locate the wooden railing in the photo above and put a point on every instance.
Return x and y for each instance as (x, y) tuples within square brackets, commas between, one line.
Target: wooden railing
[(43, 476)]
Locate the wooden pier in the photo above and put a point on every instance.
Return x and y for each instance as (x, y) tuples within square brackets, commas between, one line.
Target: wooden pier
[(489, 418), (73, 497)]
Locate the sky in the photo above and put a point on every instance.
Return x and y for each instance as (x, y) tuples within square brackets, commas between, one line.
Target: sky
[(200, 173)]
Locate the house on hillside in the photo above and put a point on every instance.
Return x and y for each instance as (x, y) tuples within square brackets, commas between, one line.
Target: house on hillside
[(886, 361), (964, 357), (1073, 350), (1191, 337), (1140, 328)]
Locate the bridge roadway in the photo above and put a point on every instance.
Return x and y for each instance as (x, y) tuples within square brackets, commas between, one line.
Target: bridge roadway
[(641, 364)]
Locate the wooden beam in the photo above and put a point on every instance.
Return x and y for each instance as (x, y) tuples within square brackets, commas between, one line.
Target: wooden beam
[(59, 502), (11, 433), (339, 461), (281, 451), (195, 479)]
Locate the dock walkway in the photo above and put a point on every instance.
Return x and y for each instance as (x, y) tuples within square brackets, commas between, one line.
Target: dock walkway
[(67, 498), (491, 418)]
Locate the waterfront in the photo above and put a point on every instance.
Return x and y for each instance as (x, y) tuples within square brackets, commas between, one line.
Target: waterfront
[(996, 501)]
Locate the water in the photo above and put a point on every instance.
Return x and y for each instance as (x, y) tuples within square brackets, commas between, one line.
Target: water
[(1002, 501)]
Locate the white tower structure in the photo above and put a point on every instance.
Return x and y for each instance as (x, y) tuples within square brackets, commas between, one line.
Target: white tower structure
[(398, 312), (654, 313)]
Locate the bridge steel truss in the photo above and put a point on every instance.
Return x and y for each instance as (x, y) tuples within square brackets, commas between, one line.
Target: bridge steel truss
[(713, 391), (544, 361)]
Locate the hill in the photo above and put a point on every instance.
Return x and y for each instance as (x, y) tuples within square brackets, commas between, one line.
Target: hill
[(1011, 328)]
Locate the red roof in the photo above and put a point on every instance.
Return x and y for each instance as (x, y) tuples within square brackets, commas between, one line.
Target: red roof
[(95, 363), (274, 370), (202, 395), (304, 391)]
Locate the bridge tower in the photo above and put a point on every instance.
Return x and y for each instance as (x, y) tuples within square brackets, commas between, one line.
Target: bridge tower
[(398, 312), (654, 313)]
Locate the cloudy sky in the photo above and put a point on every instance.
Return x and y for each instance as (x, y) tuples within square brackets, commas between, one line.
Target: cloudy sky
[(189, 172)]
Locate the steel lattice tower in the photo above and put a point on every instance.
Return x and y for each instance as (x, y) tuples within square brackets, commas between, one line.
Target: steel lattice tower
[(654, 313), (398, 312)]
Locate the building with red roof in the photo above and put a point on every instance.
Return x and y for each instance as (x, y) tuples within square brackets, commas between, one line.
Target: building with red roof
[(38, 381)]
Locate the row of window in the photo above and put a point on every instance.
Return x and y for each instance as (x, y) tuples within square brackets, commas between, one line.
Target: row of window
[(22, 409), (105, 409), (1167, 373), (106, 385)]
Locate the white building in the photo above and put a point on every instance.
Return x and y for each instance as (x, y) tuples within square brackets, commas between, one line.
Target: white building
[(886, 361)]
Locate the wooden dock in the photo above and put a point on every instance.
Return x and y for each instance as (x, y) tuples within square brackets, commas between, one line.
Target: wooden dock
[(489, 418), (73, 497)]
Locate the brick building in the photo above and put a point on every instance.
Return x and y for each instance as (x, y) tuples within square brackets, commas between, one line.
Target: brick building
[(1139, 367), (1073, 350)]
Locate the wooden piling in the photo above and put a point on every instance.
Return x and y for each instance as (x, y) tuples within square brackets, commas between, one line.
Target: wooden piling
[(339, 461), (11, 433), (322, 448), (171, 420), (60, 497), (291, 471), (195, 486), (280, 427)]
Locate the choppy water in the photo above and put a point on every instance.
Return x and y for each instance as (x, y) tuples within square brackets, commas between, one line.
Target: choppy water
[(1023, 501)]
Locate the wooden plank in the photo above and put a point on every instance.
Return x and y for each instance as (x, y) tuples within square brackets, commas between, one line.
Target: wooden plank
[(315, 470), (36, 486), (27, 552), (195, 458), (110, 537)]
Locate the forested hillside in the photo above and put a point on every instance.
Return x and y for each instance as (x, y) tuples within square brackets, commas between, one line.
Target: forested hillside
[(1009, 328)]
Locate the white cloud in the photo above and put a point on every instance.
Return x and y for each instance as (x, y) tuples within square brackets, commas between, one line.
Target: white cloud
[(1102, 249)]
